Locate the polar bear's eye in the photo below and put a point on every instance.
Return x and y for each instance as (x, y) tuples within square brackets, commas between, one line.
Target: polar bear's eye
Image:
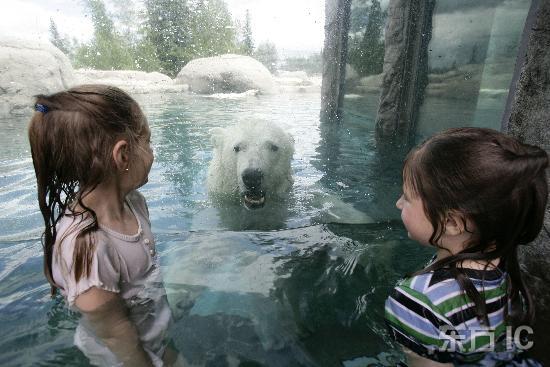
[(274, 147), (237, 148)]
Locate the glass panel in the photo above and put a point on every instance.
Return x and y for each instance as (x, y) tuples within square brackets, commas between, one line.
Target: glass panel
[(301, 281), (472, 56)]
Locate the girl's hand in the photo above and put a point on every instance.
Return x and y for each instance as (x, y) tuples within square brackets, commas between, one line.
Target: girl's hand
[(106, 314)]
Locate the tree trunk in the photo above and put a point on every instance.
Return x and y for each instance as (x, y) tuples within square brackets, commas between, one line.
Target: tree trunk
[(408, 33), (335, 53)]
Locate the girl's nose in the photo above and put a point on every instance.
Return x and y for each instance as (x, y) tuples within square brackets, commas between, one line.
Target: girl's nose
[(399, 203)]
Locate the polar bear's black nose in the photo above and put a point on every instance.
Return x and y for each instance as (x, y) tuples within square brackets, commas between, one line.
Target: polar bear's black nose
[(252, 178)]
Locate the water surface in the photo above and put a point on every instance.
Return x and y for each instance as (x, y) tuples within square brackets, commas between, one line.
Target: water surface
[(281, 286)]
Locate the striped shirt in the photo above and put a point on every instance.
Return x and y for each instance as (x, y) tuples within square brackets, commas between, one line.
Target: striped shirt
[(432, 316)]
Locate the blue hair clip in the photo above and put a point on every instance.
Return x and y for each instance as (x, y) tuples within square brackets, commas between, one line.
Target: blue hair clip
[(41, 108)]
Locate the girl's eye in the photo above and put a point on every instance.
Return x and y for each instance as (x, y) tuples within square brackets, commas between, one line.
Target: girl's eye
[(237, 148), (274, 148)]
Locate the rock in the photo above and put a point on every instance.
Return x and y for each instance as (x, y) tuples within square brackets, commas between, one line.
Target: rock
[(351, 74), (529, 123), (460, 83), (368, 84), (297, 82), (133, 82), (292, 74), (30, 67), (226, 74)]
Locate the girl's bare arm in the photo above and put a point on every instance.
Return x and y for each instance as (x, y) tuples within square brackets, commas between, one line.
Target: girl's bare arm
[(107, 315)]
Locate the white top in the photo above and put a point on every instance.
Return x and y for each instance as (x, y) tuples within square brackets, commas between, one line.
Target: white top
[(122, 264)]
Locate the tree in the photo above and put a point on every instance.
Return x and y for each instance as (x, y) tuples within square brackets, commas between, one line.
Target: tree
[(212, 29), (248, 43), (107, 50), (163, 37), (184, 30), (166, 31), (56, 39), (366, 53), (266, 53)]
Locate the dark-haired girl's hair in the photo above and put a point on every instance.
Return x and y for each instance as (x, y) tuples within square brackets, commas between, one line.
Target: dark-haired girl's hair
[(497, 183), (71, 137)]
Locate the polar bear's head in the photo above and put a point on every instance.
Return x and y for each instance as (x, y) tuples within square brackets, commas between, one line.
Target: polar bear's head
[(251, 160)]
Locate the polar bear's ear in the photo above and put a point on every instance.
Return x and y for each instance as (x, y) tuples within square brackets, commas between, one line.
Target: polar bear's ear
[(290, 138), (216, 136)]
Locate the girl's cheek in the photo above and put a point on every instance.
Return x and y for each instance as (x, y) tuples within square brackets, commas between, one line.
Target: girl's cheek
[(404, 218)]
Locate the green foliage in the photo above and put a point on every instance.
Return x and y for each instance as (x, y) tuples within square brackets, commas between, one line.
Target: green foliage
[(212, 29), (107, 50), (165, 36), (247, 46), (167, 33), (146, 57), (366, 52), (182, 31), (266, 53)]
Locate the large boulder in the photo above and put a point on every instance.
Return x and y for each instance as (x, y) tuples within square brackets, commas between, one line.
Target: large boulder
[(132, 81), (30, 67), (226, 74)]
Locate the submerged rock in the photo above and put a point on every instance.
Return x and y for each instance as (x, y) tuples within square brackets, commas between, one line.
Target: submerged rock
[(132, 81), (27, 68), (226, 74)]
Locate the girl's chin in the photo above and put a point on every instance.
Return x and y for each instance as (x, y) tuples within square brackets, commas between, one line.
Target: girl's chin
[(422, 242), (142, 183)]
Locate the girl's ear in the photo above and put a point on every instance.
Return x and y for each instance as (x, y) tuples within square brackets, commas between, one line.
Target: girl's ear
[(455, 223), (121, 155)]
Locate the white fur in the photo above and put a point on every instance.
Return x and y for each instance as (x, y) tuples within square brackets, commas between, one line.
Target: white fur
[(256, 141)]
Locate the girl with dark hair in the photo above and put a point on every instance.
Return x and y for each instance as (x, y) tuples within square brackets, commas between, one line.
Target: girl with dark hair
[(475, 195), (91, 150)]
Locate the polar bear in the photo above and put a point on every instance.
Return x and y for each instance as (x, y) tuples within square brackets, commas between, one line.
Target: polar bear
[(252, 162)]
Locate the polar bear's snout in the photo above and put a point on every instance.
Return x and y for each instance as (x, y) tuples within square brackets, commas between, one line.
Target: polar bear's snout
[(252, 178), (254, 195)]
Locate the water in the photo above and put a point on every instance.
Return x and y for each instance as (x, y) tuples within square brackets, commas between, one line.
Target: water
[(281, 286)]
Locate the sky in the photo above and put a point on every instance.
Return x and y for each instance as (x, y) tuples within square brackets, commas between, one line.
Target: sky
[(295, 26)]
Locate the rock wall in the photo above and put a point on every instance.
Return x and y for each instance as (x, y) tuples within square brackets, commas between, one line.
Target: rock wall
[(530, 122), (27, 68)]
